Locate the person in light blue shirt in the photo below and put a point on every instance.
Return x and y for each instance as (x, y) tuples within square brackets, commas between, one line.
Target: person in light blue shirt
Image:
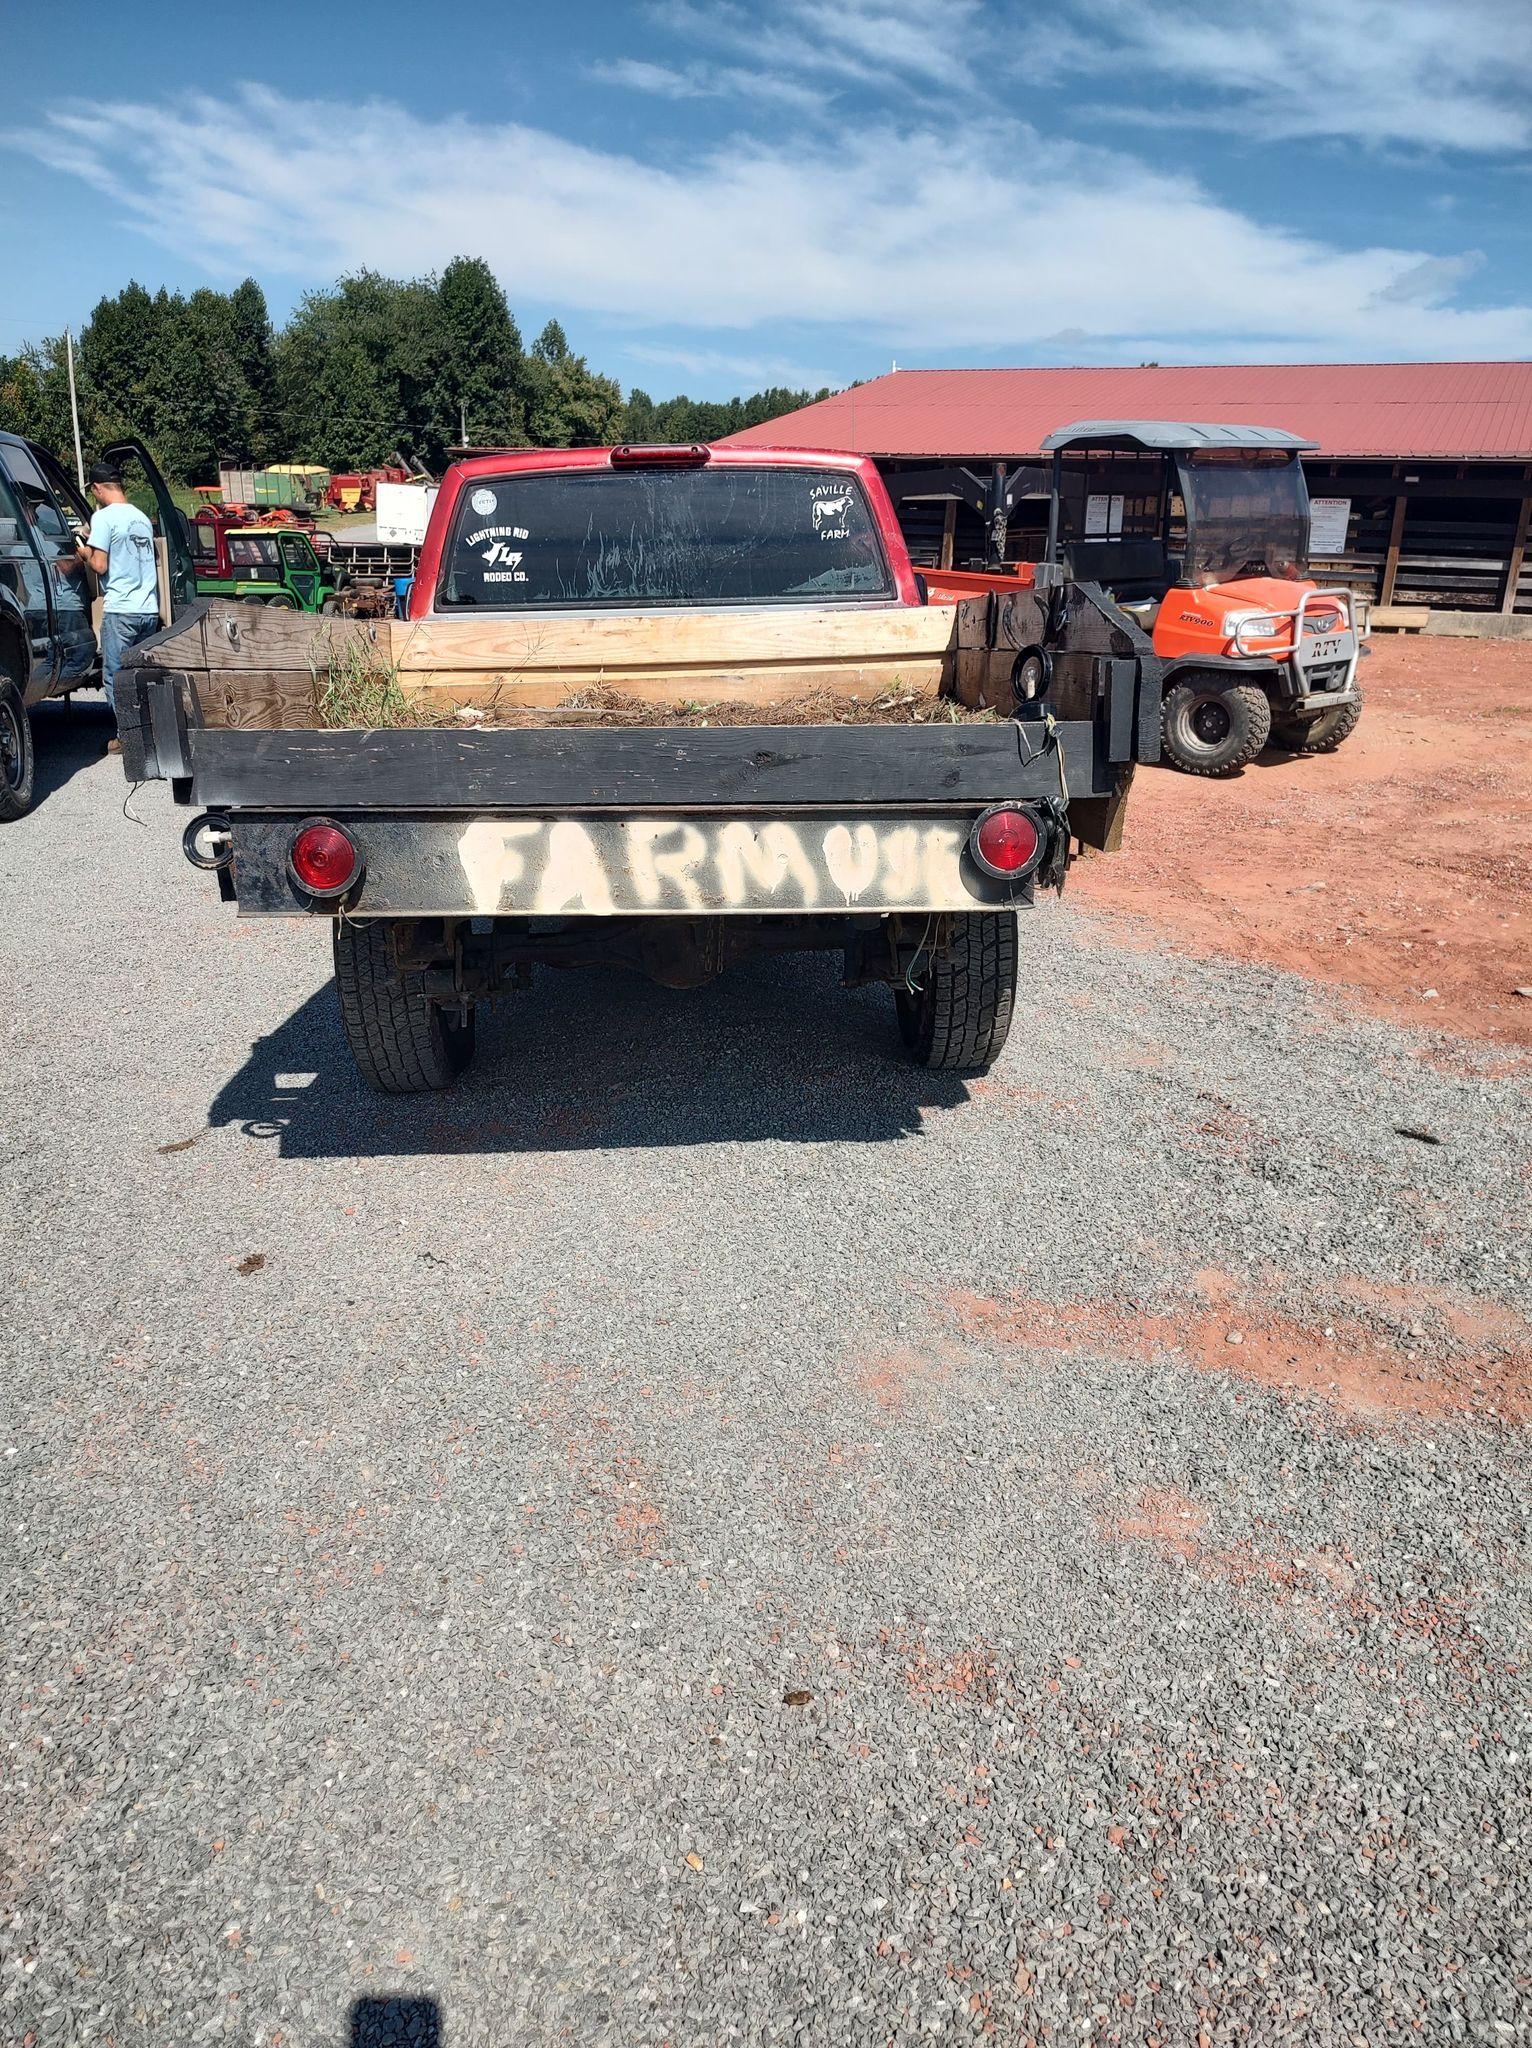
[(120, 548)]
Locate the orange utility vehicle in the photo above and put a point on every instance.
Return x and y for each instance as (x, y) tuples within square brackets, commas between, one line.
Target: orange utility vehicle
[(1198, 537)]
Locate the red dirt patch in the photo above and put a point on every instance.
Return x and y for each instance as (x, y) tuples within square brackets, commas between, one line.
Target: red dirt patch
[(1175, 1525), (894, 1377), (1396, 865), (1474, 1360), (970, 1675), (1164, 1517)]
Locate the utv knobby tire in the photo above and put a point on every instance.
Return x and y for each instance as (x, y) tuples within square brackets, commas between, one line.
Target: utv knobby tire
[(1213, 727), (1321, 735), (400, 1041), (959, 1019), (18, 759)]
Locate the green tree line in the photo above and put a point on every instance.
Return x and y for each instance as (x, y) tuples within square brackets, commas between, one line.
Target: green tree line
[(372, 365)]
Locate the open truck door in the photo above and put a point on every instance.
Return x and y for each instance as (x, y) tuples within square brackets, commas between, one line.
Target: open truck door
[(174, 552)]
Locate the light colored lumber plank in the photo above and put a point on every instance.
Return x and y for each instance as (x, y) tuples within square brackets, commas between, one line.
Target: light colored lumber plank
[(671, 640)]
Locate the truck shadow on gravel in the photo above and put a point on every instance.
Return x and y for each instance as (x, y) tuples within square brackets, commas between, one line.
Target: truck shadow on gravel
[(401, 2022), (67, 738), (592, 1061)]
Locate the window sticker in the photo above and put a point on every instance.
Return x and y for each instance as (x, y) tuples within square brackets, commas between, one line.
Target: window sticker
[(492, 544), (830, 506), (483, 502)]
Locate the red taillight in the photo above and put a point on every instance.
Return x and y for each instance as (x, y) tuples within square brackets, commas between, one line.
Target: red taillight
[(683, 455), (323, 859), (1006, 843)]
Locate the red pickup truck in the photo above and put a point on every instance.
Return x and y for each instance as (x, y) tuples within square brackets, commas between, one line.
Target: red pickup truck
[(659, 708)]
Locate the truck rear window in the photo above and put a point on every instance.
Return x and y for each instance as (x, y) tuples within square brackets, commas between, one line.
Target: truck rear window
[(730, 535)]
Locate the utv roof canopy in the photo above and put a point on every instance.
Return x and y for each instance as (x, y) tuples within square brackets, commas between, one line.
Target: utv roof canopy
[(1171, 436)]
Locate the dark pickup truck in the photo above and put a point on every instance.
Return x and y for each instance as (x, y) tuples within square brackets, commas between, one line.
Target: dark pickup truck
[(659, 708), (47, 598)]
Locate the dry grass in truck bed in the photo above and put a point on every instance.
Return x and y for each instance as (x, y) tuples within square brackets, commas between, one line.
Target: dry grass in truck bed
[(604, 705), (362, 693)]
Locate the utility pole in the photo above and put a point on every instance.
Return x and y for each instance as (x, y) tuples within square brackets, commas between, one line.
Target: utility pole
[(74, 410)]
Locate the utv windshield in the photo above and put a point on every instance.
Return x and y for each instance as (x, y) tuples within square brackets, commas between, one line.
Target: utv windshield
[(706, 536), (1246, 515), (253, 551)]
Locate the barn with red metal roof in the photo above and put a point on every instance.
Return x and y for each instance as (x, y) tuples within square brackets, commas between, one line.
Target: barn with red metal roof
[(1425, 469)]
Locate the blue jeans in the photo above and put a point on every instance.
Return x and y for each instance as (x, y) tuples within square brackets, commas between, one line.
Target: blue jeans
[(119, 632)]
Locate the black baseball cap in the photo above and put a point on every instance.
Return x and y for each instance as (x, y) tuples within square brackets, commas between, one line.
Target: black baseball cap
[(105, 473)]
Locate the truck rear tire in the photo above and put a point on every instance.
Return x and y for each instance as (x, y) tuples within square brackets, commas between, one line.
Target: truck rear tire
[(1214, 727), (18, 762), (1321, 735), (958, 1020), (401, 1041)]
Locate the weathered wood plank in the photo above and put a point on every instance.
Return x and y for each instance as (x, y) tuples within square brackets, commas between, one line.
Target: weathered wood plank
[(276, 699), (718, 767), (973, 621), (983, 679), (218, 634), (177, 646), (253, 636)]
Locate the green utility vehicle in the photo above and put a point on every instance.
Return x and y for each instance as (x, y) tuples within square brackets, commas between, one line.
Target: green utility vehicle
[(271, 565)]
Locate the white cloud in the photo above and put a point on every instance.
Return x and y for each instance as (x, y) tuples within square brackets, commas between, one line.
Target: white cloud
[(637, 74), (708, 81), (973, 235), (899, 45), (1449, 74), (715, 365), (1431, 281)]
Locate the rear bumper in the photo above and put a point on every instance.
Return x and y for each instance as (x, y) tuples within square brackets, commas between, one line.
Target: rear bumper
[(777, 864)]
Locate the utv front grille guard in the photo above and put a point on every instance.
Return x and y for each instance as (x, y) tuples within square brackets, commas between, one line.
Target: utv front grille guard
[(1357, 612)]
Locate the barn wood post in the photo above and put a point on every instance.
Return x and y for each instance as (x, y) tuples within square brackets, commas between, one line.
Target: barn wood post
[(1518, 556), (949, 529), (1391, 559)]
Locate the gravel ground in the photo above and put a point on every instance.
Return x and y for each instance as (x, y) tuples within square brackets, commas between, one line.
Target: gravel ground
[(711, 1534)]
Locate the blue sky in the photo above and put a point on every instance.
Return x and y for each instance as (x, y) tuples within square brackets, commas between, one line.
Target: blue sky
[(713, 197)]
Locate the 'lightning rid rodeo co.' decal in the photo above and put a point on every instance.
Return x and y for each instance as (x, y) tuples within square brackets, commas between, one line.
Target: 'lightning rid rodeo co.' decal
[(502, 560)]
